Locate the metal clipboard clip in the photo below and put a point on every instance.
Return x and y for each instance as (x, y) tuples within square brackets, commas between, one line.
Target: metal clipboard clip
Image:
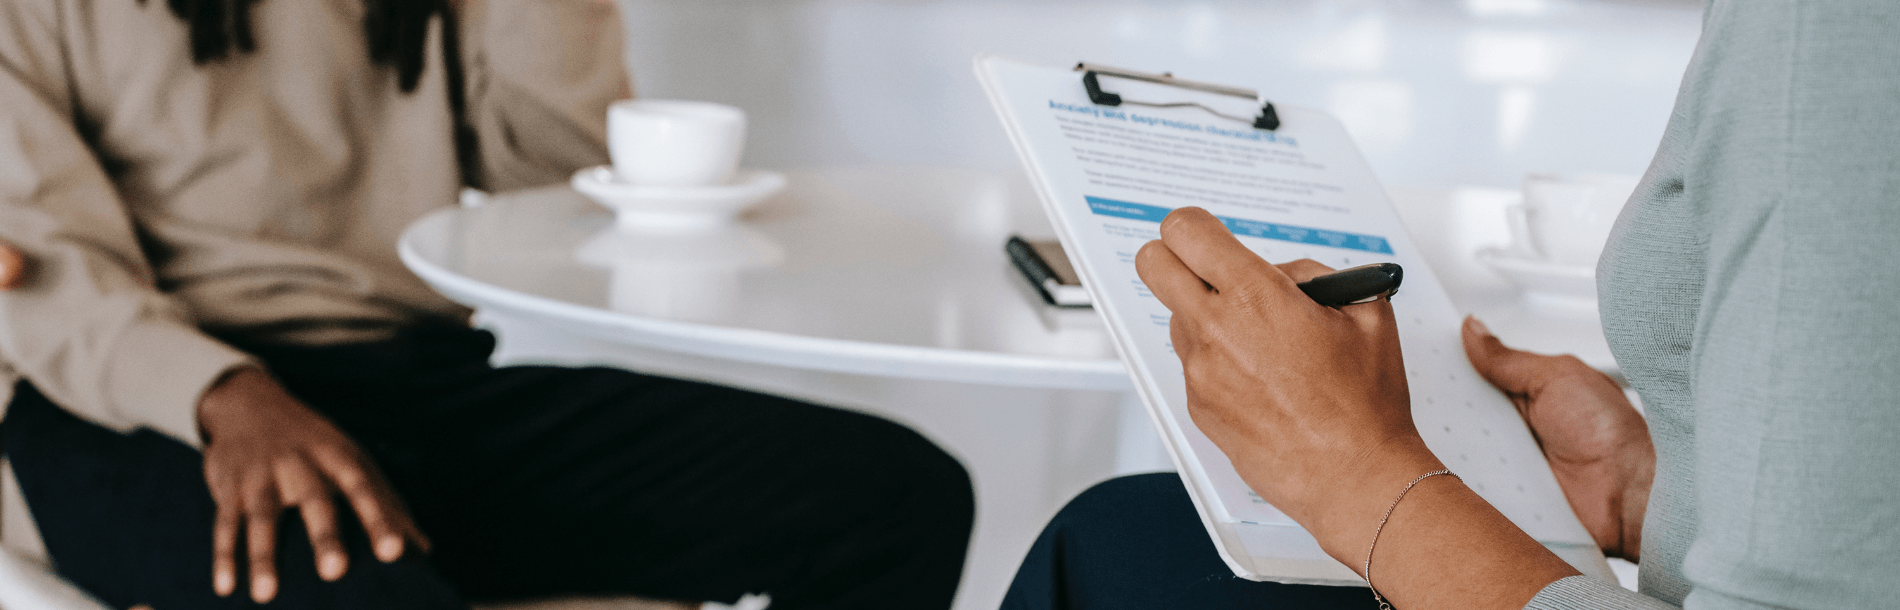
[(1091, 80)]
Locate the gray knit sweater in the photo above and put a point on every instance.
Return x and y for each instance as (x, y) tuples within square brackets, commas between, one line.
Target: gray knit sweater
[(1751, 293)]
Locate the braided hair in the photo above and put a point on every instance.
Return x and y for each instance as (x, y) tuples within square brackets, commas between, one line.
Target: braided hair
[(397, 32)]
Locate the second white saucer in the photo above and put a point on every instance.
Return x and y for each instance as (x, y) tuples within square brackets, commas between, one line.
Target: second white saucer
[(1574, 284), (676, 207)]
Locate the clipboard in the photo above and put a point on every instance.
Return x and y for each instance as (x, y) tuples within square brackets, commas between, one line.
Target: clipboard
[(1267, 118), (1289, 182)]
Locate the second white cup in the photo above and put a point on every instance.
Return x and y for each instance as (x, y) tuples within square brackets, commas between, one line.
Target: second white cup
[(675, 142), (1567, 217)]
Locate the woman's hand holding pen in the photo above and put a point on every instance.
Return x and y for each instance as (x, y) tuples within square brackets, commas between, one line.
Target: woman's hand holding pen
[(1310, 404)]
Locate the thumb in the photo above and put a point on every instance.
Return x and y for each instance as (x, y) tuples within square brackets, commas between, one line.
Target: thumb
[(1514, 372), (12, 267)]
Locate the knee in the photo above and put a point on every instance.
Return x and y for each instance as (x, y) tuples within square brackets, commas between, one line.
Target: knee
[(411, 583), (901, 465), (1090, 538), (937, 479), (1129, 489), (955, 490), (1123, 504)]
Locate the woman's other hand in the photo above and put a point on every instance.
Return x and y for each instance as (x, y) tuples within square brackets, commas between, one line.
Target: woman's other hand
[(1596, 442), (265, 453), (1309, 402), (12, 267)]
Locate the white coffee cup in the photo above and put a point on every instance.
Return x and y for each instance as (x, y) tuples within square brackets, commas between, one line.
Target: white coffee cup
[(1566, 218), (674, 142)]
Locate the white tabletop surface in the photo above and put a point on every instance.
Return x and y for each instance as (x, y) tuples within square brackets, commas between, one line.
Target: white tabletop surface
[(896, 272), (893, 271)]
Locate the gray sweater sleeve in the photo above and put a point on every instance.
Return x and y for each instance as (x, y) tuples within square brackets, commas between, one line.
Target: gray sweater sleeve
[(1778, 478), (1587, 593)]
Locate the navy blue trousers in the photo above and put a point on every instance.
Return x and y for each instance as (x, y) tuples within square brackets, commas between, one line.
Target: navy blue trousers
[(1136, 543), (531, 481)]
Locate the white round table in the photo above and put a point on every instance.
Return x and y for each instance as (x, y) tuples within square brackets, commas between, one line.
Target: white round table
[(880, 289), (897, 273)]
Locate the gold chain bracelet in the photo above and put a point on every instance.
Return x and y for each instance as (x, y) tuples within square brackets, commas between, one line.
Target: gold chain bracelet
[(1383, 605)]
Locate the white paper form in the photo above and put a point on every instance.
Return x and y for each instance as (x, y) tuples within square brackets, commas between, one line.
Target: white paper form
[(1108, 175)]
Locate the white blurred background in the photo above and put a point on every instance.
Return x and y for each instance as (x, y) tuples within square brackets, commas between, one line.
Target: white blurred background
[(1439, 93)]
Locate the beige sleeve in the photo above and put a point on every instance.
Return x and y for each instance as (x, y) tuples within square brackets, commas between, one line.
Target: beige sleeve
[(89, 329), (540, 76)]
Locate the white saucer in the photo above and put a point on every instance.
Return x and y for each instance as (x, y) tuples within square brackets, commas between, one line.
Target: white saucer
[(676, 207), (1545, 279)]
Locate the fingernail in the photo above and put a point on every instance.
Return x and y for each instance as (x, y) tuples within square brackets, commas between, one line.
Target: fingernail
[(389, 549), (1478, 325), (223, 583), (263, 588), (332, 567)]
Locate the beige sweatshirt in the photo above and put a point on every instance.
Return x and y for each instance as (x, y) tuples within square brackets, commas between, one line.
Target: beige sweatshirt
[(260, 194)]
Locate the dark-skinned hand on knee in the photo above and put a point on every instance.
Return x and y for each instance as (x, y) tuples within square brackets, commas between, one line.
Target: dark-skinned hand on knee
[(266, 453)]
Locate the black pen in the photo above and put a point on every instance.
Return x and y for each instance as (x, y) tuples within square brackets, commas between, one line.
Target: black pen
[(1356, 285)]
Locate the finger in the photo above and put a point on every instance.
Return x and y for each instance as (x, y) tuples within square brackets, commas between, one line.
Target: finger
[(1178, 337), (1205, 245), (260, 524), (383, 519), (1372, 317), (413, 533), (12, 267), (1514, 372), (402, 530), (305, 488), (1168, 278), (1303, 269), (224, 537), (319, 519)]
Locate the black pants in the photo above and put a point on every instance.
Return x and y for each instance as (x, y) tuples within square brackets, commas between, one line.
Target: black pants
[(531, 481), (1136, 542)]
